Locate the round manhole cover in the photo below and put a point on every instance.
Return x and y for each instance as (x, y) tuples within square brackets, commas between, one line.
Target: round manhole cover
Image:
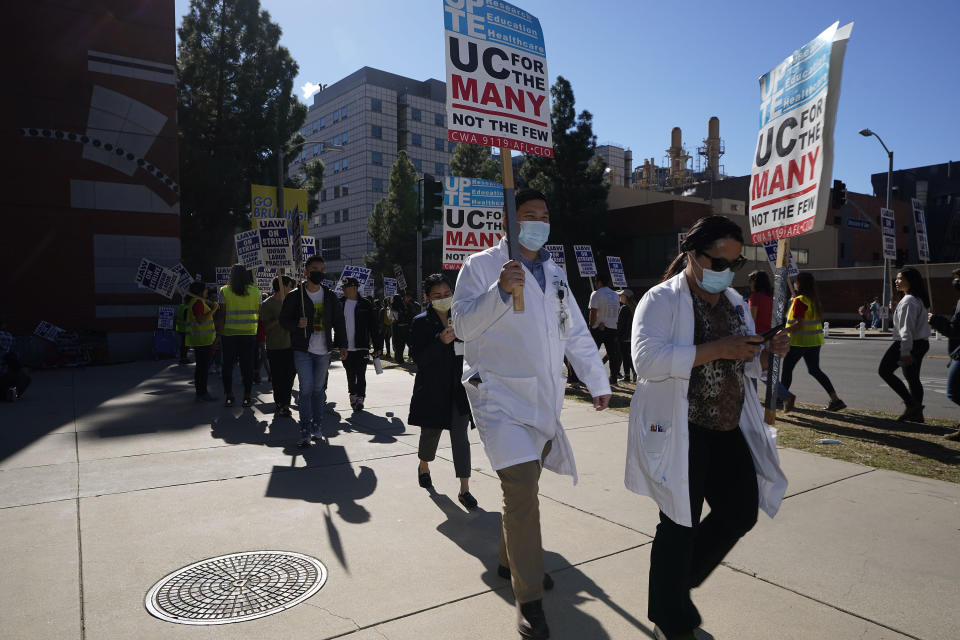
[(236, 587)]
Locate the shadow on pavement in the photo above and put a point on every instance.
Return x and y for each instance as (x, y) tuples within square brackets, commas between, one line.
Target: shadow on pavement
[(477, 532)]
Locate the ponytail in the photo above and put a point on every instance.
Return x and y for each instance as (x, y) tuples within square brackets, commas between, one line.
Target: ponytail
[(679, 264)]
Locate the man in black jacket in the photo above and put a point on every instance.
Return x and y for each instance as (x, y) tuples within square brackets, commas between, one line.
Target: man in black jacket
[(312, 315), (360, 323)]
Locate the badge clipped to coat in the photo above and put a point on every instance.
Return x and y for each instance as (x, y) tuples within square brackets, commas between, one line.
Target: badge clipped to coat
[(563, 312)]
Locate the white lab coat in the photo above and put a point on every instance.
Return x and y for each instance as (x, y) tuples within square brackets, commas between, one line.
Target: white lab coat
[(658, 438), (519, 359)]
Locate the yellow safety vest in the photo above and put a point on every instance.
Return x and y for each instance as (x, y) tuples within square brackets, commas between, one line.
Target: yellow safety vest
[(179, 322), (241, 315), (806, 331), (200, 334)]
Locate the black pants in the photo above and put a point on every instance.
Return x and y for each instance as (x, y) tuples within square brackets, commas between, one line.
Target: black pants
[(722, 472), (608, 337), (201, 369), (400, 332), (811, 356), (626, 359), (282, 372), (460, 441), (356, 367), (18, 379), (888, 365), (183, 345), (238, 348)]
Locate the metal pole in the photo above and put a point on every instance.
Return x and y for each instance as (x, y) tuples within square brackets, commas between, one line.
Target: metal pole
[(420, 206), (280, 181), (887, 280)]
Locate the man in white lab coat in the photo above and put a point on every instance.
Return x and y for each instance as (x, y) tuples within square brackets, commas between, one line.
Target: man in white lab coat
[(513, 372)]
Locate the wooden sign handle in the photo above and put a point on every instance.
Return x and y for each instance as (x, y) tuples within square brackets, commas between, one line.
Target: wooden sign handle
[(506, 168)]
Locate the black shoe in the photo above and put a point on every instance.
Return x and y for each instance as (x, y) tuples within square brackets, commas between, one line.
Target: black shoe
[(246, 402), (913, 413), (504, 572), (467, 500), (304, 441), (531, 621), (836, 405), (228, 402), (424, 480), (285, 412)]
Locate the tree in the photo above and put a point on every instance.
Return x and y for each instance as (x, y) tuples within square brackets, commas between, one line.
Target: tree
[(474, 161), (572, 180), (235, 110), (394, 219), (312, 180)]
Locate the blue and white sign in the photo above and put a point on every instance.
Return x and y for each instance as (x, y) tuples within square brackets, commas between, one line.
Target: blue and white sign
[(328, 284), (223, 276), (771, 249), (248, 248), (857, 223), (920, 227), (889, 234), (558, 254), (401, 280), (362, 274), (184, 279), (275, 243), (47, 331), (389, 287), (617, 277), (155, 277), (165, 315), (584, 255), (264, 278), (308, 247), (367, 291)]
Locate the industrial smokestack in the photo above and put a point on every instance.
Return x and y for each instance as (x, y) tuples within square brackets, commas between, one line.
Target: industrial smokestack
[(713, 147), (678, 158)]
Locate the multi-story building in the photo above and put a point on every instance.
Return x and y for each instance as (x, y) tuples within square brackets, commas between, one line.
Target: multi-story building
[(357, 126), (619, 162)]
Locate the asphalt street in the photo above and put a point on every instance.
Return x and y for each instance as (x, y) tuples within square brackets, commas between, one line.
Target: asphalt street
[(851, 365)]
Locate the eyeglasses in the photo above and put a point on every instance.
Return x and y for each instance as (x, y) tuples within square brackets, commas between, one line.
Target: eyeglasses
[(722, 264)]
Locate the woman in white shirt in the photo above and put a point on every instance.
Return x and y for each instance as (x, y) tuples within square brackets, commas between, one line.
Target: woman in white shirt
[(696, 425), (911, 331)]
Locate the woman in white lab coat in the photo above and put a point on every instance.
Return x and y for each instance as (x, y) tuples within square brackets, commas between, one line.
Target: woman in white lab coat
[(696, 423)]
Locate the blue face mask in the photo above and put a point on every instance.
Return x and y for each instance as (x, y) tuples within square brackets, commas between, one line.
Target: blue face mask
[(534, 234), (714, 281)]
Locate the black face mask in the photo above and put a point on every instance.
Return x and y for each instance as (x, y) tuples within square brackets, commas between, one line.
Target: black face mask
[(316, 277), (956, 284)]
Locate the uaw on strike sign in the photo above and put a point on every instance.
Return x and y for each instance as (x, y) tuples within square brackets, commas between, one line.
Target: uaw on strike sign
[(497, 89), (790, 180), (472, 218)]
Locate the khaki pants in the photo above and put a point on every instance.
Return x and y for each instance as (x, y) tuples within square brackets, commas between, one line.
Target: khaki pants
[(521, 547)]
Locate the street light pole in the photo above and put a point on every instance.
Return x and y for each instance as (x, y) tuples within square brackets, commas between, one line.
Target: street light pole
[(886, 261)]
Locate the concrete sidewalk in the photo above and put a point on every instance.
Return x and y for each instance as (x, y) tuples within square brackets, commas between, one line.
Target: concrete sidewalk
[(111, 478)]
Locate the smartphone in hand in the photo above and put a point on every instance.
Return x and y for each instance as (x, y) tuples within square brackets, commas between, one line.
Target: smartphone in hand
[(769, 334)]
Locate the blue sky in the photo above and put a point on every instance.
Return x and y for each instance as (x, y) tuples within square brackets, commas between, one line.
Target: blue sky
[(643, 67)]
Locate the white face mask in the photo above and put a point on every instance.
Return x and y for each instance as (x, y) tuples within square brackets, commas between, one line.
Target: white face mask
[(442, 305)]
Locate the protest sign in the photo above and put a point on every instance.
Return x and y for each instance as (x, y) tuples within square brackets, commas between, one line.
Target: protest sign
[(151, 275), (889, 234), (184, 279), (263, 204), (401, 280), (47, 331), (165, 315), (264, 279), (248, 248), (274, 243), (368, 288), (328, 284), (223, 276), (617, 276), (308, 247), (389, 287), (584, 255), (362, 274), (498, 90), (771, 249), (790, 179), (472, 218), (920, 228), (557, 254)]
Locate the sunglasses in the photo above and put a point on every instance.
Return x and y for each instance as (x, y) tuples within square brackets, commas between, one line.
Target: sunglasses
[(722, 264)]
